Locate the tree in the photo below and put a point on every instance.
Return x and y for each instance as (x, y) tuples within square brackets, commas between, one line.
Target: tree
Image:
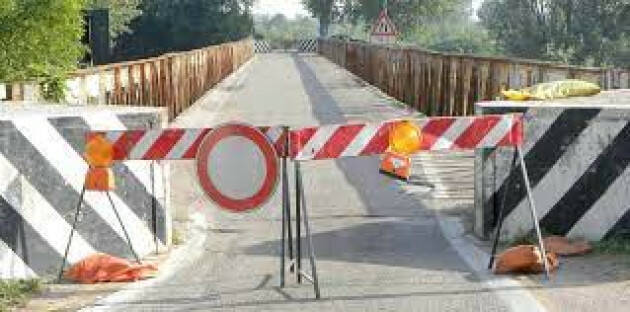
[(281, 32), (453, 31), (167, 25), (121, 13), (573, 31), (37, 43), (405, 13)]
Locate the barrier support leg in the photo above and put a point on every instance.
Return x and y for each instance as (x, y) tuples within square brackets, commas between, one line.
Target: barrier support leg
[(532, 207), (282, 241), (286, 214), (74, 225), (122, 225), (309, 238), (298, 218), (501, 211), (154, 208)]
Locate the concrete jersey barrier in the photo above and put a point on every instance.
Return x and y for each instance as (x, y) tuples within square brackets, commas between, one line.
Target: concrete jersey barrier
[(578, 154), (41, 175)]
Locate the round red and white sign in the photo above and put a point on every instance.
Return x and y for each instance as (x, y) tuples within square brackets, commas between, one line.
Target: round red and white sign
[(237, 167)]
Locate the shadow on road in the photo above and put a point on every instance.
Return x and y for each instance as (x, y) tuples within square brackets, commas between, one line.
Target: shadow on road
[(409, 238)]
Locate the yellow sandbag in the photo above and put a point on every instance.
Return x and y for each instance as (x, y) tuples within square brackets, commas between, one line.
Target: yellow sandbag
[(553, 90), (516, 95)]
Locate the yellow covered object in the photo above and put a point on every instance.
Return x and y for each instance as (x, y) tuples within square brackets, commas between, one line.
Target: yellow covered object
[(553, 90)]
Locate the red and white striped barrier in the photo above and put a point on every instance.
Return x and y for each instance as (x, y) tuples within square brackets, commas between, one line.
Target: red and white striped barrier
[(170, 144), (441, 133), (330, 141)]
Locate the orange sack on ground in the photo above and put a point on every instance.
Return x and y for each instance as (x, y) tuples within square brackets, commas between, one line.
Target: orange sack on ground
[(524, 259), (564, 247), (100, 267)]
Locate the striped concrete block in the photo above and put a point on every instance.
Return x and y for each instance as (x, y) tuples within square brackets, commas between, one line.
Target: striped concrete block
[(41, 175), (262, 46), (306, 45), (578, 165)]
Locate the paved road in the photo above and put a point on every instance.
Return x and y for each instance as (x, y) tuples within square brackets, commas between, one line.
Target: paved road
[(379, 245)]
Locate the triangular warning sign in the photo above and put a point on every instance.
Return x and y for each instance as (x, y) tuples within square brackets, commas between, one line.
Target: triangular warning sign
[(383, 25)]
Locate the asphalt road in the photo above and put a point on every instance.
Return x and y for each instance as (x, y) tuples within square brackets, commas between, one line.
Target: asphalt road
[(379, 244)]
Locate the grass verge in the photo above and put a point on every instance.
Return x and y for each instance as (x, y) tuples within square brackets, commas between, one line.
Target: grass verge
[(616, 245), (16, 292)]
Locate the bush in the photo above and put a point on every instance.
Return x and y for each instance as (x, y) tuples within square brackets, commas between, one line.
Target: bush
[(39, 38)]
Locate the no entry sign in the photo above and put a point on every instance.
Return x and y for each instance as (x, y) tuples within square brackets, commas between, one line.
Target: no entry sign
[(237, 167)]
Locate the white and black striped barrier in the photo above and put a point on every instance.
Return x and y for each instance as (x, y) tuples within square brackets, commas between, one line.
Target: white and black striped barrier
[(300, 45), (262, 46), (41, 173), (306, 45), (578, 157), (305, 144)]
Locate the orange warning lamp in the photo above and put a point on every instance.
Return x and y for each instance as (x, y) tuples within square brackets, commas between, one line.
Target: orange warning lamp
[(405, 138), (99, 154)]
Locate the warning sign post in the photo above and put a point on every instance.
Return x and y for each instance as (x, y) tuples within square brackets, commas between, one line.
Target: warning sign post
[(383, 29)]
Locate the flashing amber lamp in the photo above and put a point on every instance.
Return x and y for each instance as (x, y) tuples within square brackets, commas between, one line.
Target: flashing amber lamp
[(405, 138), (99, 154)]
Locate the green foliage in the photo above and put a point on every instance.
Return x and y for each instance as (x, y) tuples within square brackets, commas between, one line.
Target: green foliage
[(121, 13), (281, 32), (406, 14), (35, 41), (583, 32), (454, 32), (167, 26), (358, 30), (14, 293), (614, 245)]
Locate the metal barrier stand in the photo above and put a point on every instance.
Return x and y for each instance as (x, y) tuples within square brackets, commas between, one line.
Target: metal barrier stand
[(299, 188), (74, 225), (286, 213), (301, 215), (518, 154)]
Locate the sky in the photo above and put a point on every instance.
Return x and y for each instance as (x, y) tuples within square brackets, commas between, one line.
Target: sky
[(291, 8)]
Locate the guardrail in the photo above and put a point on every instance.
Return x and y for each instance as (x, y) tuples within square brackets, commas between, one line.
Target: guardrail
[(441, 84), (174, 80)]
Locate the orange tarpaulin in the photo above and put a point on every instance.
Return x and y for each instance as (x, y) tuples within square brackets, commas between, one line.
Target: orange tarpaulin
[(524, 259), (99, 268)]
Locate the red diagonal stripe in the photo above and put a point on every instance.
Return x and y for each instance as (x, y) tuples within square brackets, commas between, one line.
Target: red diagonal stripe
[(192, 151), (126, 142), (433, 130), (515, 136), (279, 145), (299, 138), (338, 142), (476, 132), (379, 142), (164, 143)]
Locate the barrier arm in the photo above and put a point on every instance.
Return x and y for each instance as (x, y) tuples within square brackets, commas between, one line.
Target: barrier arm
[(433, 134)]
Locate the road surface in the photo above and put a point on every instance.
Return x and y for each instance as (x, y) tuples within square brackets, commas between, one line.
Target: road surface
[(380, 245)]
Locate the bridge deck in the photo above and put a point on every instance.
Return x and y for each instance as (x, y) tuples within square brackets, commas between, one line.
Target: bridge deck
[(379, 243)]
